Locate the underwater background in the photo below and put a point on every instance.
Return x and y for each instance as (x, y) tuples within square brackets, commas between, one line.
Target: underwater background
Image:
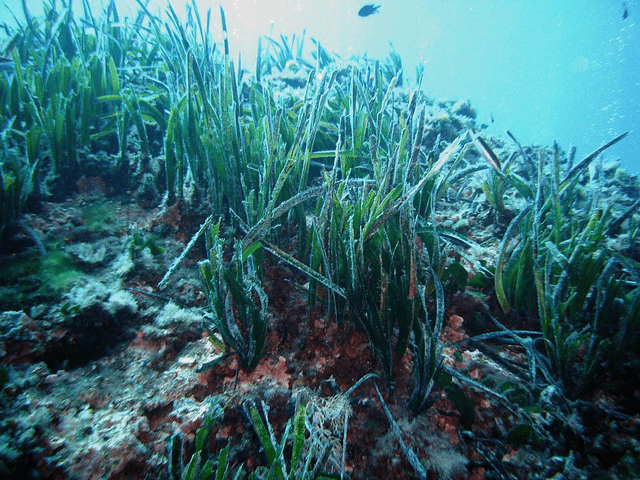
[(228, 252), (546, 70)]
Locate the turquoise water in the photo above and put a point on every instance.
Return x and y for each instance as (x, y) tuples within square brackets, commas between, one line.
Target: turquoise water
[(546, 70)]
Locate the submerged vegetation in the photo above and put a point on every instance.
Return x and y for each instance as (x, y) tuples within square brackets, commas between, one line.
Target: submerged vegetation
[(350, 176)]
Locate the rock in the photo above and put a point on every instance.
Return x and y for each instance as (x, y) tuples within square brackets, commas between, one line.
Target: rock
[(89, 253), (21, 338), (464, 108)]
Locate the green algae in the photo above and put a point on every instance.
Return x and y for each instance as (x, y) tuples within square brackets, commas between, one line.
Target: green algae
[(27, 279), (59, 270), (99, 215)]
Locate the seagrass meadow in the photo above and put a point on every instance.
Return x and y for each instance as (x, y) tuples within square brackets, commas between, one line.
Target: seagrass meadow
[(299, 268)]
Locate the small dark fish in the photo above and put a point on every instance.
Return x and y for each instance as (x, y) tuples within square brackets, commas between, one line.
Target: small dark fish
[(368, 9), (625, 11)]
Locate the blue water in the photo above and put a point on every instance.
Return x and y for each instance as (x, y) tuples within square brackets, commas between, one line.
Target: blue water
[(546, 70)]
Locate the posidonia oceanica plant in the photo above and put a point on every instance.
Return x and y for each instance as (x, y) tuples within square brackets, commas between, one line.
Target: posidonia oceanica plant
[(585, 293), (238, 304)]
